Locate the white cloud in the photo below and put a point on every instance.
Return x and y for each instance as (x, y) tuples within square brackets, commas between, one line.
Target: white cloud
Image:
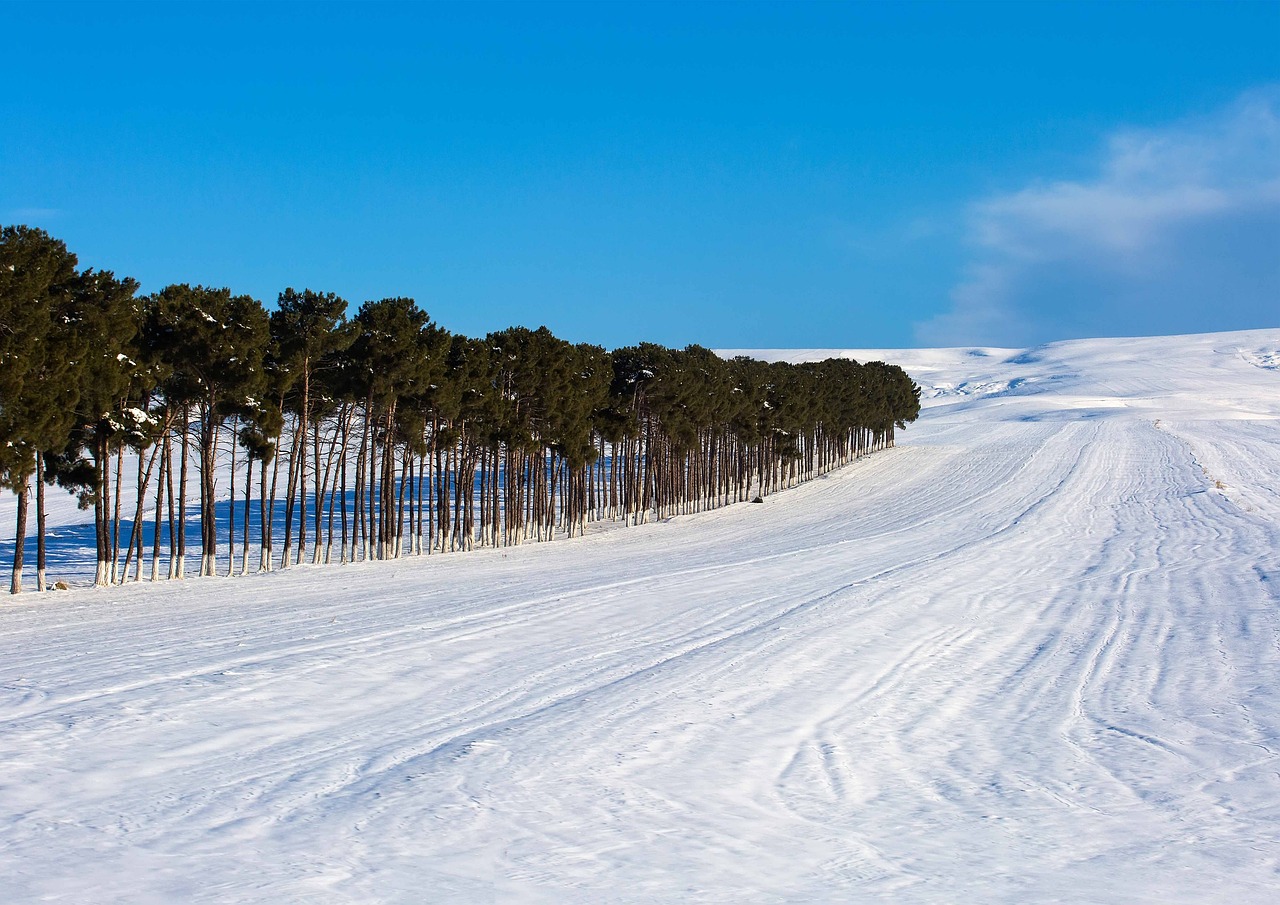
[(1178, 232)]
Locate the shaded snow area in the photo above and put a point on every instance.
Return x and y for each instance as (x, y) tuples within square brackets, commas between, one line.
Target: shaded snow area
[(1030, 655)]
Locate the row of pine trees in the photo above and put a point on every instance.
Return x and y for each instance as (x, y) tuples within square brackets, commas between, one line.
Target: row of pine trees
[(381, 435)]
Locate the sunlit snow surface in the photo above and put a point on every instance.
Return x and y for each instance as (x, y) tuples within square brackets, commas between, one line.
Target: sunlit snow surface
[(1031, 655)]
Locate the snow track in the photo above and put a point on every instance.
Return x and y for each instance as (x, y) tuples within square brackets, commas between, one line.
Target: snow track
[(1029, 655)]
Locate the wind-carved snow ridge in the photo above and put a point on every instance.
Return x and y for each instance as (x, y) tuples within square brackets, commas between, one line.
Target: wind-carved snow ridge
[(1030, 655)]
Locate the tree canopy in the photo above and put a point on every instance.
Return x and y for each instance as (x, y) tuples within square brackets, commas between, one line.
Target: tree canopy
[(384, 432)]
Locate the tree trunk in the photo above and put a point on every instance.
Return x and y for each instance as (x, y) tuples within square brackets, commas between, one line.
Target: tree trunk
[(101, 525), (290, 501), (269, 522), (138, 539), (248, 490), (208, 508), (302, 486), (20, 540), (265, 514), (160, 478), (181, 569), (173, 539), (342, 479), (41, 584), (303, 422), (319, 488), (135, 534), (231, 506), (115, 515)]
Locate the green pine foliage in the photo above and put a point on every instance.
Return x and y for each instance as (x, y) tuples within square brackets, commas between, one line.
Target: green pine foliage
[(384, 434), (41, 365)]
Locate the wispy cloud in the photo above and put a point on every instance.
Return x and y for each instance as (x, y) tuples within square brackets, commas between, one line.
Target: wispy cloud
[(1178, 232)]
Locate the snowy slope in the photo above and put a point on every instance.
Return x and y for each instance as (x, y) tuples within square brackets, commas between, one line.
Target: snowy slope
[(1028, 656)]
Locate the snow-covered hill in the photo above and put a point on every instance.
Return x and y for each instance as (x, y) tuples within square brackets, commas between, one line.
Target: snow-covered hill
[(1028, 656)]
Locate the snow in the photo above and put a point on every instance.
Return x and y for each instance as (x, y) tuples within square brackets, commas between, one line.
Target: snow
[(1030, 655)]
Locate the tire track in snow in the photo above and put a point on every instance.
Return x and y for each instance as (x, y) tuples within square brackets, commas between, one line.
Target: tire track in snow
[(1008, 654)]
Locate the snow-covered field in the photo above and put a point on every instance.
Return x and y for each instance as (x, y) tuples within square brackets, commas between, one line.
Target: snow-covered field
[(1031, 655)]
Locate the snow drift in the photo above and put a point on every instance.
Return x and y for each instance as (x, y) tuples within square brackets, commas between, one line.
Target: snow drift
[(1029, 655)]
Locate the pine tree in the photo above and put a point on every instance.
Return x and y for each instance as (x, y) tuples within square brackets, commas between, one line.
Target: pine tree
[(309, 331), (115, 382), (37, 358), (214, 342), (394, 356)]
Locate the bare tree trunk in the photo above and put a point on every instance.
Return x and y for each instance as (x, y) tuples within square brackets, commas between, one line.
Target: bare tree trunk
[(208, 507), (400, 497), (365, 483), (248, 490), (269, 526), (482, 466), (386, 496), (453, 465), (181, 570), (41, 584), (342, 468), (433, 460), (368, 526), (357, 499), (319, 488), (265, 514), (20, 540), (135, 534), (409, 477), (102, 522), (138, 540), (325, 488), (115, 515), (495, 503), (168, 477), (301, 440), (290, 501), (330, 489), (231, 506), (418, 513)]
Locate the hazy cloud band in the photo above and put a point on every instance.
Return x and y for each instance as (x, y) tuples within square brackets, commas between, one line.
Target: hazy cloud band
[(1179, 232)]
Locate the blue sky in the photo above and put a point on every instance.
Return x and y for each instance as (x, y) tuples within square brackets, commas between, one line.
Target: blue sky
[(735, 175)]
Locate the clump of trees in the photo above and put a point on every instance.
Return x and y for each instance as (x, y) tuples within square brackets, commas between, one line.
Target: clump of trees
[(380, 435)]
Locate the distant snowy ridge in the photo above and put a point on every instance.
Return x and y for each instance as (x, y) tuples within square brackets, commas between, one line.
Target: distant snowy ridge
[(1150, 373)]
